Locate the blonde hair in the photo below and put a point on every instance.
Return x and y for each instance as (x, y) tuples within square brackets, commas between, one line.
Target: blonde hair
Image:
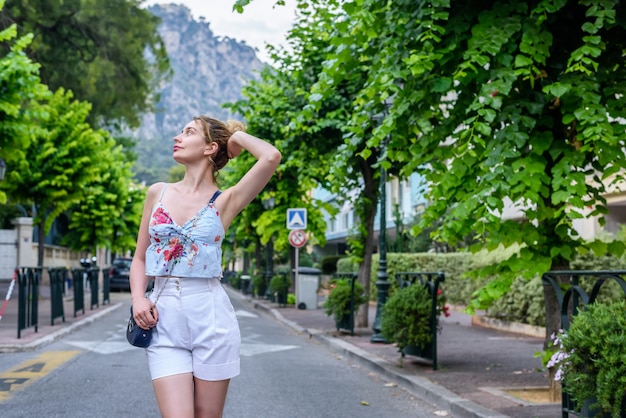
[(215, 130)]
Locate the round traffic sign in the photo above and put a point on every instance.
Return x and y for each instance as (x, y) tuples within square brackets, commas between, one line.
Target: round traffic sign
[(297, 238)]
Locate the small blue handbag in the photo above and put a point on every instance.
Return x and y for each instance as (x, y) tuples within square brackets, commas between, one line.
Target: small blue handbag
[(135, 335)]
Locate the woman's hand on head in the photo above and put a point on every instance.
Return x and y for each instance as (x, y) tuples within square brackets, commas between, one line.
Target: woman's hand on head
[(234, 148)]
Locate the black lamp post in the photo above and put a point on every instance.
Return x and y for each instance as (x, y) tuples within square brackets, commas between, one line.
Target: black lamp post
[(3, 169), (382, 278), (268, 204)]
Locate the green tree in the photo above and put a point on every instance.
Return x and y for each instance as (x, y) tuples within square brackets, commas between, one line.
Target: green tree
[(500, 101), (108, 52), (59, 163), (494, 101), (20, 89), (318, 135), (109, 213)]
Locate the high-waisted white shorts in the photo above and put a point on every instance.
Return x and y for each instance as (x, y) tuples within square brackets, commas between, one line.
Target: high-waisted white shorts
[(197, 330)]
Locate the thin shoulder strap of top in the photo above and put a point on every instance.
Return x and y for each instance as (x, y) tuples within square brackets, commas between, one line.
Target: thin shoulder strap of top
[(215, 195), (162, 191)]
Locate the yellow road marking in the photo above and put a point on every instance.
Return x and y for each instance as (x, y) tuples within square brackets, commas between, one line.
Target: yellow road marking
[(29, 371)]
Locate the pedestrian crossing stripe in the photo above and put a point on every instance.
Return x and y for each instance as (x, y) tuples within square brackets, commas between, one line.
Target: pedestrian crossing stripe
[(29, 371)]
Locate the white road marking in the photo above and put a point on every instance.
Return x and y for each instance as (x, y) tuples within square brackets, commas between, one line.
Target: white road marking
[(107, 347), (245, 314), (250, 350)]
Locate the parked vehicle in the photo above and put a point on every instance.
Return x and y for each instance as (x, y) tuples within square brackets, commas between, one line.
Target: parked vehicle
[(119, 274)]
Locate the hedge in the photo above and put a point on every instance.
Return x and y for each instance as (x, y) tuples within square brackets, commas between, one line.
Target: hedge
[(523, 303)]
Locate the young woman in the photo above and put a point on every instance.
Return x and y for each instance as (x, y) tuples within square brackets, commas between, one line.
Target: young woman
[(195, 346)]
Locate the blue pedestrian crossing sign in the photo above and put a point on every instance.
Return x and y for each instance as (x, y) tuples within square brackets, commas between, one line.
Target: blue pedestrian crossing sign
[(296, 218)]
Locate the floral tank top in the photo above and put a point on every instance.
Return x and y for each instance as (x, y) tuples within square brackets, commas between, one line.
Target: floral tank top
[(193, 249)]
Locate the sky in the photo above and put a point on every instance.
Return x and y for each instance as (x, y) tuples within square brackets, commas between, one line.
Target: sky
[(259, 24)]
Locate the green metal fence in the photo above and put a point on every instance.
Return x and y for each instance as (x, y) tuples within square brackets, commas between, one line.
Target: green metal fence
[(28, 279)]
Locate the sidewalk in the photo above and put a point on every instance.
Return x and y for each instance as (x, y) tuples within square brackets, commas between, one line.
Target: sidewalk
[(46, 330), (476, 363)]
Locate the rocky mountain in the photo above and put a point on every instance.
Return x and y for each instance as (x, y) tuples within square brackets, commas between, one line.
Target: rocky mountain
[(208, 71)]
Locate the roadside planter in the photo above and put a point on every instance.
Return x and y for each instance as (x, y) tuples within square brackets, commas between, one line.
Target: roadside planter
[(591, 360), (279, 289), (410, 316), (590, 349), (345, 296)]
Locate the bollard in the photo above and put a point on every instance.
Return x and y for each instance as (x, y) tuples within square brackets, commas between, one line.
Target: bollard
[(92, 276), (79, 292), (57, 283), (106, 287)]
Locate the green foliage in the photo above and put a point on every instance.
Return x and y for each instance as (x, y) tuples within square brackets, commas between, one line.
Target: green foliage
[(107, 52), (406, 317), (235, 281), (524, 302), (7, 214), (596, 366), (258, 282), (21, 91), (346, 265), (279, 284), (62, 160), (493, 102), (338, 301), (329, 264), (110, 212)]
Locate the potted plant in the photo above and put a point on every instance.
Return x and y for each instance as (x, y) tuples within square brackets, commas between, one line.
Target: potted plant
[(338, 302), (408, 320), (279, 288), (591, 360), (258, 282)]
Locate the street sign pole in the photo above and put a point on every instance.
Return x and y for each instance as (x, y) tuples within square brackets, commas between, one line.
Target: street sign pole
[(297, 239), (297, 270)]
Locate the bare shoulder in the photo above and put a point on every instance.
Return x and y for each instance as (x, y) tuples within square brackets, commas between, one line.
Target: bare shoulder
[(153, 193)]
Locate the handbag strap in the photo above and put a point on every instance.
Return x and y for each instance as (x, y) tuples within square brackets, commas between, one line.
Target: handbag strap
[(160, 291)]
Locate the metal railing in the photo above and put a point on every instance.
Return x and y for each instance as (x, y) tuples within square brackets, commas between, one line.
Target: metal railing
[(573, 300), (28, 279)]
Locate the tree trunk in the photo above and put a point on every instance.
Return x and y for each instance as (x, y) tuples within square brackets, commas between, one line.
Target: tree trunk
[(370, 196), (553, 325)]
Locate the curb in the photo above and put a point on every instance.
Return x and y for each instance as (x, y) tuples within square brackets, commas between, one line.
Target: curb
[(515, 327), (418, 386), (47, 339)]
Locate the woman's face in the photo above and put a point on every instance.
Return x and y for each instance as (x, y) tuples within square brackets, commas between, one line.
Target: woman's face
[(190, 144)]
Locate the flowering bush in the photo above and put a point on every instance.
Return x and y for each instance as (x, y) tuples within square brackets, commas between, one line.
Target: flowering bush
[(559, 358), (442, 308), (590, 358)]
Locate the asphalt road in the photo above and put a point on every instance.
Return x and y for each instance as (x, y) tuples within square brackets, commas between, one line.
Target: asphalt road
[(94, 372)]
